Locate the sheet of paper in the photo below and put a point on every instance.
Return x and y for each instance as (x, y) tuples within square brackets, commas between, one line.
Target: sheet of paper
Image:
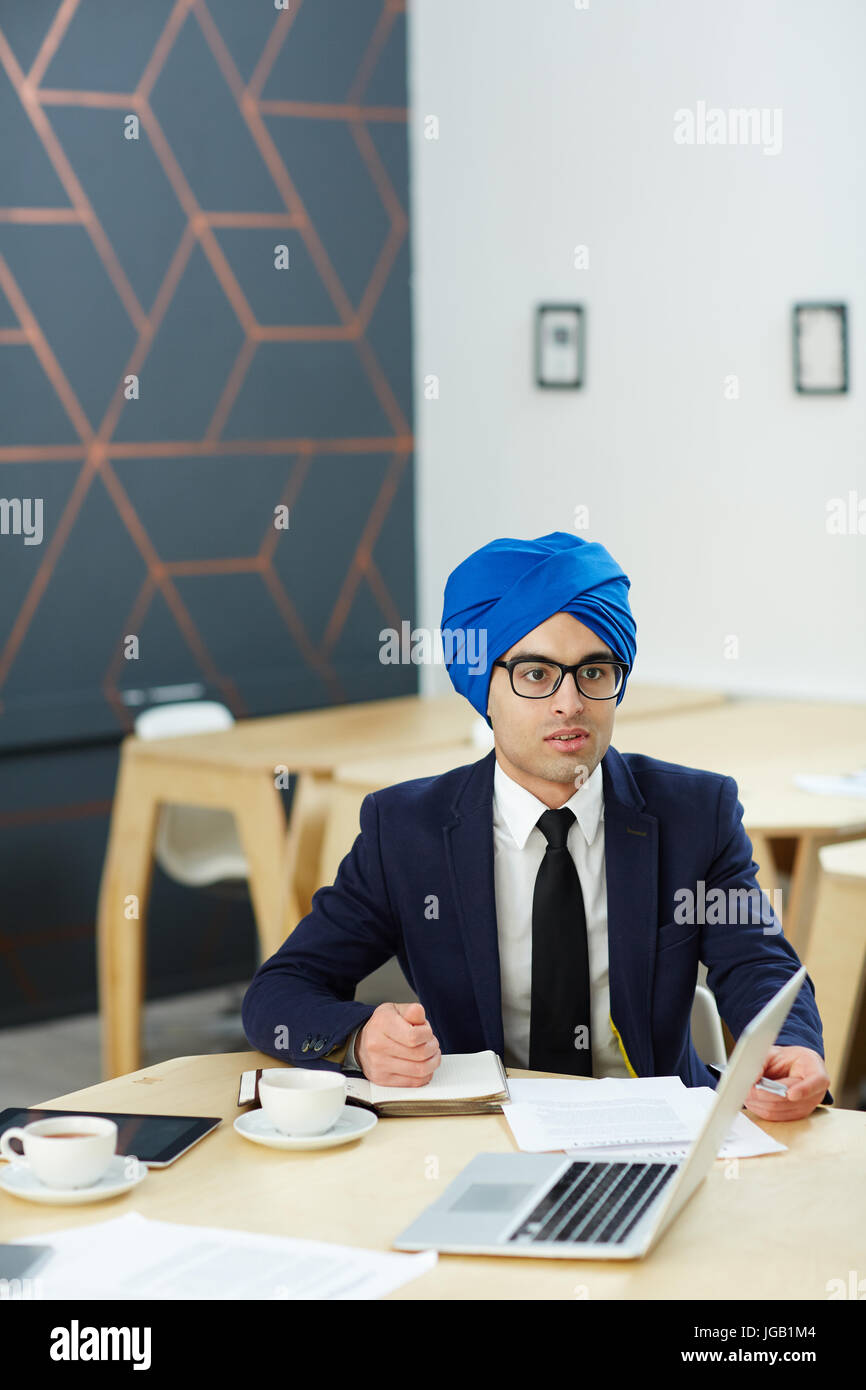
[(135, 1257), (851, 784), (744, 1140), (643, 1117), (541, 1125)]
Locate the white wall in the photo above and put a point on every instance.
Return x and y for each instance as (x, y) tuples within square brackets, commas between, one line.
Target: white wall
[(556, 128)]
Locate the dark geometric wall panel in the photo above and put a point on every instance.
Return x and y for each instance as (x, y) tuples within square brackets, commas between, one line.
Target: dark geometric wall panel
[(155, 257)]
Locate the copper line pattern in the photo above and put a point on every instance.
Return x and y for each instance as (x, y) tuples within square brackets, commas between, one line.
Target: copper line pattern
[(211, 247), (53, 815), (392, 614), (332, 111), (396, 234), (42, 453), (237, 564), (42, 351), (286, 607), (229, 393), (199, 227), (290, 494), (278, 592), (169, 592), (292, 333), (371, 56), (49, 217), (150, 328), (54, 36), (314, 657), (66, 174), (131, 625), (36, 938), (250, 219), (40, 346), (56, 96), (365, 546), (163, 47), (271, 50), (291, 198), (41, 579), (188, 448), (294, 202)]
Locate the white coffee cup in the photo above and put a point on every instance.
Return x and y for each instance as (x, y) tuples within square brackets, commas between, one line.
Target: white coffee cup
[(302, 1101), (65, 1151)]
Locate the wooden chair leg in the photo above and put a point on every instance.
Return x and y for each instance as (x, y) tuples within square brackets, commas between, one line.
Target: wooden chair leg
[(261, 823), (122, 917), (762, 853), (836, 962), (308, 822)]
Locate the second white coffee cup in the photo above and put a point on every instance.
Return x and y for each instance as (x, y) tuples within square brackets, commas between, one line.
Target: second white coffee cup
[(300, 1101)]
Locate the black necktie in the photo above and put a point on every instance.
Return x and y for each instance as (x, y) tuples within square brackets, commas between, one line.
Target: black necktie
[(559, 1031)]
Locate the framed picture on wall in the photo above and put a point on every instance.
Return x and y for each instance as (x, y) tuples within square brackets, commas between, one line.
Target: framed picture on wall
[(559, 345), (820, 349)]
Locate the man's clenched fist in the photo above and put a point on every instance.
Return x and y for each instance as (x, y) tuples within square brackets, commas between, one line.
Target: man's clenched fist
[(396, 1046)]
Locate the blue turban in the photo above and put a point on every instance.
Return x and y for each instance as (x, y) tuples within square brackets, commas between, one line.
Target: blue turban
[(509, 587)]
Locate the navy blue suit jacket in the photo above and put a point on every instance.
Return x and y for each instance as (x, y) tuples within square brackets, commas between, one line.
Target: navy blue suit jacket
[(430, 841)]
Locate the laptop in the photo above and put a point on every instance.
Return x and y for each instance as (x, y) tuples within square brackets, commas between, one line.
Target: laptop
[(551, 1206)]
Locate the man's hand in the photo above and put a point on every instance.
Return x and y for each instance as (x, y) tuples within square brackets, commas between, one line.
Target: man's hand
[(396, 1046), (803, 1072)]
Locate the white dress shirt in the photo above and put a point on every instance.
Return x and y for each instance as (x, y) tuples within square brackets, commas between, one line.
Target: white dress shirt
[(518, 849)]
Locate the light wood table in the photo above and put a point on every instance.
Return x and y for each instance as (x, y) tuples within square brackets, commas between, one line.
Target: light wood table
[(837, 957), (763, 744), (236, 770), (777, 1228)]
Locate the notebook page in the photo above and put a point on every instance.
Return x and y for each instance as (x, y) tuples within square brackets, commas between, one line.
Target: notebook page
[(459, 1076)]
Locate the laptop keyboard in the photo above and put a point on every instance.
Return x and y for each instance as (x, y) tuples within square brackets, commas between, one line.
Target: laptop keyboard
[(598, 1203)]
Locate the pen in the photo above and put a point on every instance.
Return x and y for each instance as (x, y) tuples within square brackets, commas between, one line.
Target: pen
[(766, 1083)]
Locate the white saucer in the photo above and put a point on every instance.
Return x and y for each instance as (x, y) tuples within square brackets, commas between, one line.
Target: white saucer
[(21, 1182), (352, 1123)]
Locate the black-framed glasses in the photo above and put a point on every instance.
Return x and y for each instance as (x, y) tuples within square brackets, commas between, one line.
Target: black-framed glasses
[(534, 678)]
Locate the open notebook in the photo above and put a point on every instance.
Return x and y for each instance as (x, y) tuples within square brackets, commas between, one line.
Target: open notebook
[(464, 1083)]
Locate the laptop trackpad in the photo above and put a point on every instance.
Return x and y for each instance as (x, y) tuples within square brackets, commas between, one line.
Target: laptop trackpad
[(493, 1196)]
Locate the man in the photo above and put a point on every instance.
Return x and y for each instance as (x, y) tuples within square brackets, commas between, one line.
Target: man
[(533, 898)]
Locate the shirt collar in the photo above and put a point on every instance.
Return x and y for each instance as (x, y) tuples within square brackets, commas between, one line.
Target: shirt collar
[(519, 810)]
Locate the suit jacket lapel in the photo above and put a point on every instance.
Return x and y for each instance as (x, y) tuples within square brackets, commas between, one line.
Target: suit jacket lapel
[(468, 838), (631, 868)]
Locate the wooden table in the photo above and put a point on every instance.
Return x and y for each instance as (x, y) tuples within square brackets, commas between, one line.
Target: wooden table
[(763, 744), (776, 1228), (235, 769)]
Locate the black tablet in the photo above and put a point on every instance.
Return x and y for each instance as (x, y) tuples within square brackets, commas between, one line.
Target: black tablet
[(156, 1140)]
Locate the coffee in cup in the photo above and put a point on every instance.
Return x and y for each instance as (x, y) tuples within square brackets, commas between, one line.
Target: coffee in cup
[(90, 1145), (300, 1101)]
